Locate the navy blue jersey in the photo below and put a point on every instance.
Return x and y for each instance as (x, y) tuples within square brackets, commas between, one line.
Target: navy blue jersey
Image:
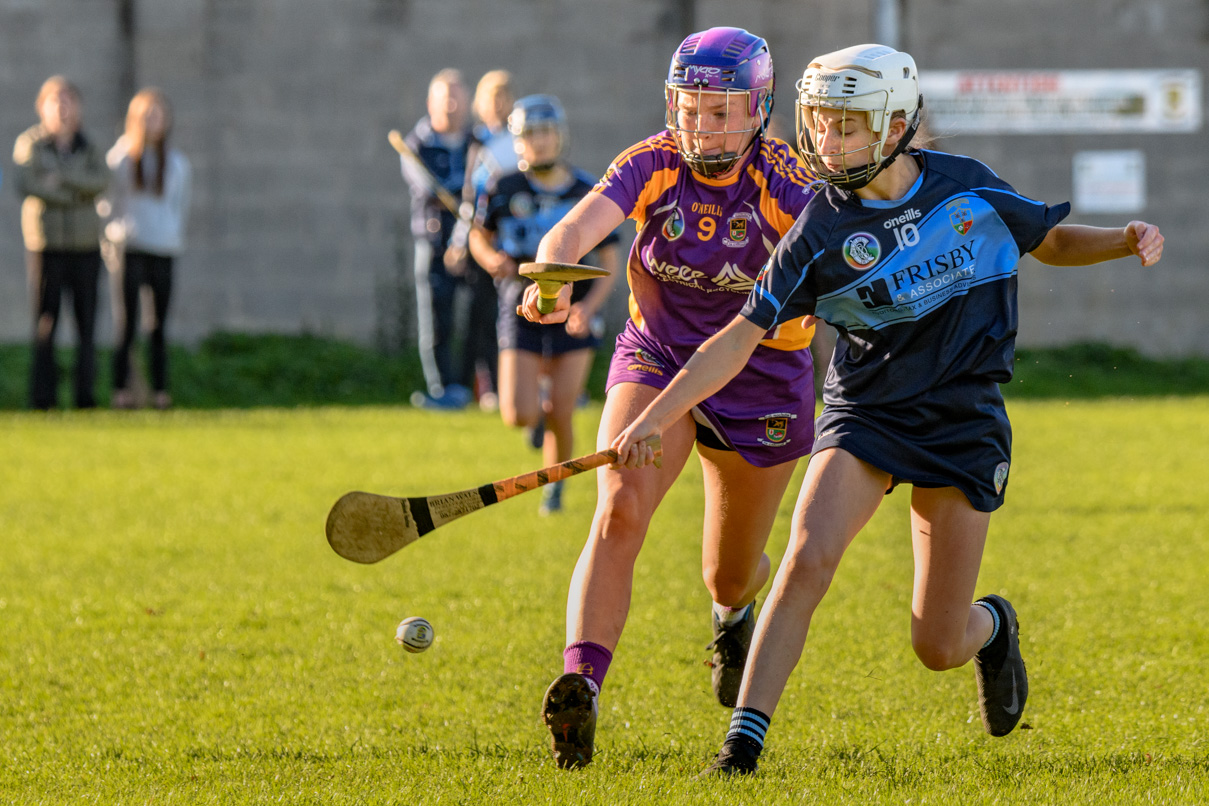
[(921, 289), (521, 213)]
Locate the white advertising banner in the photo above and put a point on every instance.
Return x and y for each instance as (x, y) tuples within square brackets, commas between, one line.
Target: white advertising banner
[(1061, 101), (1109, 181)]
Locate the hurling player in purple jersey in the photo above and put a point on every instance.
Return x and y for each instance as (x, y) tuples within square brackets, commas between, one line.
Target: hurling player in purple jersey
[(927, 322), (711, 196)]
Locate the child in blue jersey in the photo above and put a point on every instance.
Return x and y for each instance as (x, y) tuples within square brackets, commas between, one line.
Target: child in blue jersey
[(516, 211), (912, 256)]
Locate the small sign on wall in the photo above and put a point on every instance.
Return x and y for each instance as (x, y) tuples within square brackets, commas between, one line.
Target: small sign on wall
[(1109, 181)]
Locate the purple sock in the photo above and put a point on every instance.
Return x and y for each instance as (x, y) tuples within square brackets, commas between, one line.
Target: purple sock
[(589, 659)]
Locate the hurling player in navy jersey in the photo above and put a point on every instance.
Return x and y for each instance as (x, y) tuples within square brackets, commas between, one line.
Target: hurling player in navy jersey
[(515, 211), (911, 255)]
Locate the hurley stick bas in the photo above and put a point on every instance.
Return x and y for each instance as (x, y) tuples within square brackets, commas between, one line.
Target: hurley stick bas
[(367, 528)]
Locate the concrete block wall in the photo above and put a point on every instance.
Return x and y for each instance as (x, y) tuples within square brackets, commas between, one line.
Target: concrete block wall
[(299, 214)]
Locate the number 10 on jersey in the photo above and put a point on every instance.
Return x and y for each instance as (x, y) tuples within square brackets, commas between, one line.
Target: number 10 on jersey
[(906, 235)]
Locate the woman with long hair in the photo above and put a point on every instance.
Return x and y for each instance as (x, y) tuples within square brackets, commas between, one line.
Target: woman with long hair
[(149, 200)]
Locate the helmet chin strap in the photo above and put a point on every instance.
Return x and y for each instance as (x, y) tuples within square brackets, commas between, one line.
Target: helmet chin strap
[(713, 165)]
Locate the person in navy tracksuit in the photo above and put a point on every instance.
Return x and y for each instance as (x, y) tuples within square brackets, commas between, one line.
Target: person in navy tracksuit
[(441, 140)]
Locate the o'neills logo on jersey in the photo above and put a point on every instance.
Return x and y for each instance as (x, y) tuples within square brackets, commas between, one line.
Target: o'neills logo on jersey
[(737, 227), (673, 225), (776, 429), (861, 250), (910, 215), (960, 215), (645, 362)]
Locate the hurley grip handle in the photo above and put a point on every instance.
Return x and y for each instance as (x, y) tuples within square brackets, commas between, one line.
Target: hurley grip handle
[(547, 295)]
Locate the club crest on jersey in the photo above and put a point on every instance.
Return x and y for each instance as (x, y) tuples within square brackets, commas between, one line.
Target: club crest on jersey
[(738, 230), (645, 362), (776, 429), (861, 250), (673, 225), (521, 205), (1001, 474), (960, 215)]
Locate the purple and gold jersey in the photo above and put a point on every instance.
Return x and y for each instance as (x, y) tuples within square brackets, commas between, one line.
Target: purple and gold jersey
[(701, 242), (700, 245)]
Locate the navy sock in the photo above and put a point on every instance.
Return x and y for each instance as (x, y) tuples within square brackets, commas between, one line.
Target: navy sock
[(749, 726)]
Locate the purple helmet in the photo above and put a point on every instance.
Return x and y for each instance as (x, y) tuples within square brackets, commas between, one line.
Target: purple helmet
[(720, 61)]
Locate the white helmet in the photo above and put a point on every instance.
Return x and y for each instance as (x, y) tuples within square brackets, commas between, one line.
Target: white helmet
[(864, 78)]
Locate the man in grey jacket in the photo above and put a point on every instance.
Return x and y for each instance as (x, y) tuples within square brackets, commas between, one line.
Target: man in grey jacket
[(60, 173)]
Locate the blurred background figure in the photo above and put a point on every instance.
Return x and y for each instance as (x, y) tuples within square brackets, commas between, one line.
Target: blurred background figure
[(517, 210), (60, 173), (441, 139), (493, 100), (491, 154), (148, 201)]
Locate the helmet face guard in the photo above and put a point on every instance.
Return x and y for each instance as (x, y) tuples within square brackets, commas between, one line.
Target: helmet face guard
[(878, 81), (535, 112), (719, 63)]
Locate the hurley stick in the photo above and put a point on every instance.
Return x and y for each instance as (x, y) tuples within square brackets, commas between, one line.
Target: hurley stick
[(366, 528)]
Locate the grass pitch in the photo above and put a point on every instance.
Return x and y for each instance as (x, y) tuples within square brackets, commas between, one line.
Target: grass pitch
[(175, 630)]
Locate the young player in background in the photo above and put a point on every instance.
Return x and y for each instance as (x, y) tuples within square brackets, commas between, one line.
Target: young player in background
[(711, 196), (517, 209), (912, 255)]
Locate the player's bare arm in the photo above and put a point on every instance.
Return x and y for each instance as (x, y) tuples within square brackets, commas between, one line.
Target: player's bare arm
[(1077, 245), (716, 362), (589, 222), (495, 262)]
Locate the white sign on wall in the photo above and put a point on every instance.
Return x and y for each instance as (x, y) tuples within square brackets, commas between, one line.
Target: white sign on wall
[(1109, 181), (1061, 101)]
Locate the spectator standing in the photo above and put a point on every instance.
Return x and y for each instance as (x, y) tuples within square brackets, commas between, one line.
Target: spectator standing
[(149, 200), (441, 140), (59, 174), (491, 154)]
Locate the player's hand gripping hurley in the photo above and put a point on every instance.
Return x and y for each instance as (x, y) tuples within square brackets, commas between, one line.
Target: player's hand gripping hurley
[(551, 277), (366, 528)]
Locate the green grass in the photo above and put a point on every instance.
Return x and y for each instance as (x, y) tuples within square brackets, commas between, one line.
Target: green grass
[(175, 630)]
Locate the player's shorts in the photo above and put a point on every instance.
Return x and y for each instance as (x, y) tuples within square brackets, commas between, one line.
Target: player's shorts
[(515, 332), (766, 412), (959, 438)]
